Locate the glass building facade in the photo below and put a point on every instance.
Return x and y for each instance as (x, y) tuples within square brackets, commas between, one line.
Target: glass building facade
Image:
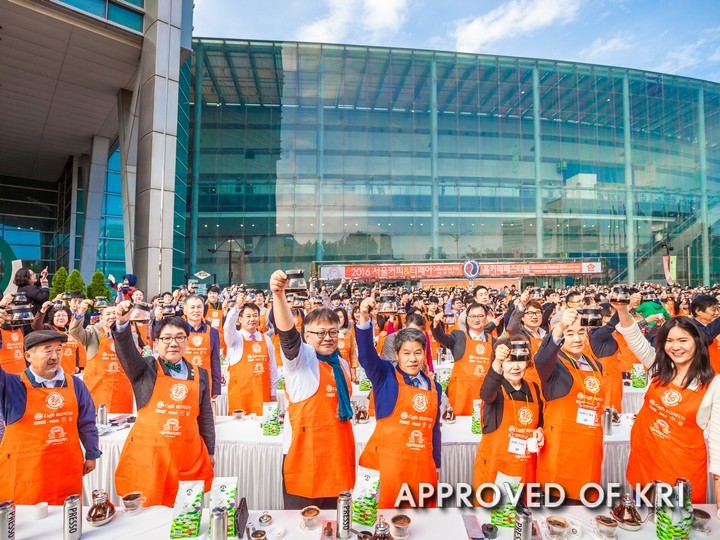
[(302, 153)]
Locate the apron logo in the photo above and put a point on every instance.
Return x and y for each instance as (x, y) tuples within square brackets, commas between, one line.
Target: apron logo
[(54, 401), (592, 384), (416, 438), (14, 337), (38, 416), (525, 416), (68, 352), (113, 366), (18, 354), (671, 397), (196, 361), (479, 370), (404, 415), (256, 348), (173, 424), (420, 403), (661, 428), (259, 368), (178, 392), (197, 341), (330, 389), (480, 349)]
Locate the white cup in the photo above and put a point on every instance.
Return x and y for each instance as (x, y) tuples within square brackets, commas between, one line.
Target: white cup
[(40, 510), (576, 528), (532, 445)]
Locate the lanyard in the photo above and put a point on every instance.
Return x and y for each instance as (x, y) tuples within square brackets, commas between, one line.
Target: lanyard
[(527, 403), (577, 373)]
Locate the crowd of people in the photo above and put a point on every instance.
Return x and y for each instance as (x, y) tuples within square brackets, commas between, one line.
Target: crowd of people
[(545, 364)]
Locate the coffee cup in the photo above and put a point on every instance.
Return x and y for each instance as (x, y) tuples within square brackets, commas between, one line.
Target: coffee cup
[(400, 525), (309, 515), (132, 502), (238, 414), (606, 526), (532, 445), (576, 528), (557, 527)]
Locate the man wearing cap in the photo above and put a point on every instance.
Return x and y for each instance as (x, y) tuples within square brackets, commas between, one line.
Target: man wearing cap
[(48, 414)]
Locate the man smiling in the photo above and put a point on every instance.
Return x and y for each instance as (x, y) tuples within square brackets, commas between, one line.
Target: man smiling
[(403, 451)]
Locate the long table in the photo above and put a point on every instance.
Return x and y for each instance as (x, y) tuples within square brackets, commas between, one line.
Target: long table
[(154, 524), (242, 450)]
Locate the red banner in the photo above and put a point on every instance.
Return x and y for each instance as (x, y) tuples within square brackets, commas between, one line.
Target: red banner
[(416, 272)]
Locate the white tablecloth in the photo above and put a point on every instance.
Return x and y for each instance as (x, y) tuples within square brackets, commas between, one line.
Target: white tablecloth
[(242, 450), (154, 524), (632, 399)]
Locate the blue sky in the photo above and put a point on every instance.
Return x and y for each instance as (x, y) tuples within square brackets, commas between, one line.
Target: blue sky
[(671, 36)]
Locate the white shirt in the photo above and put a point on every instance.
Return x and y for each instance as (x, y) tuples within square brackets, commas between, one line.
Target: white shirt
[(59, 376), (234, 340)]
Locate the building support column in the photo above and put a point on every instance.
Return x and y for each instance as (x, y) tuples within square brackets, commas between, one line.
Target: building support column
[(73, 213), (538, 169), (94, 188), (320, 160), (435, 187), (705, 236), (128, 133), (197, 125), (157, 143), (629, 198)]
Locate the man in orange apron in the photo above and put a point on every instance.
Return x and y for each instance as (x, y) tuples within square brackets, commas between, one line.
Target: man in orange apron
[(512, 414), (472, 351), (48, 415), (173, 438), (319, 443), (406, 444), (705, 309), (251, 357), (204, 343), (215, 314), (104, 375), (574, 390)]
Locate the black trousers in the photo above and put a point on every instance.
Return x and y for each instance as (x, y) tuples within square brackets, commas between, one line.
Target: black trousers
[(295, 502)]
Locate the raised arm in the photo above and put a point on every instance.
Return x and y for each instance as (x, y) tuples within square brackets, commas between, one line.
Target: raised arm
[(367, 354), (438, 332), (134, 364), (633, 336)]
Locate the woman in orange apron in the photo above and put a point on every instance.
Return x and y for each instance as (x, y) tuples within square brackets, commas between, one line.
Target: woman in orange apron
[(12, 357), (404, 451), (574, 390), (512, 409), (666, 441)]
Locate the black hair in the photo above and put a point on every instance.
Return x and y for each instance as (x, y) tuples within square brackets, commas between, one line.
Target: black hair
[(475, 305), (548, 293), (664, 369), (535, 304), (409, 334), (165, 294), (478, 288), (22, 277), (321, 315), (572, 294), (213, 288), (178, 322), (342, 310), (606, 310), (67, 311), (416, 318), (702, 302), (248, 305)]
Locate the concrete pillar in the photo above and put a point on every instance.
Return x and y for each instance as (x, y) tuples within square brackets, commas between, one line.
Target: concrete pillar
[(94, 183), (159, 74), (128, 134), (629, 198), (76, 180), (705, 236), (538, 169), (197, 131)]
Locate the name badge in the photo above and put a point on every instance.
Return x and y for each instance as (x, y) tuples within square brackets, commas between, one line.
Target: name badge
[(586, 417), (517, 446)]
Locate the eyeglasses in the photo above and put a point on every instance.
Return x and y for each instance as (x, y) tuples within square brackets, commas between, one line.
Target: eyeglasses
[(533, 313), (169, 339), (476, 316), (322, 334)]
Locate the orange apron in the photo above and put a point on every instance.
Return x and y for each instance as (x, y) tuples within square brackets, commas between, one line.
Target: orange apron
[(531, 374), (42, 459), (275, 340), (262, 326), (380, 343), (401, 445), (505, 449), (612, 369), (666, 443), (215, 319), (73, 355), (345, 341), (714, 351), (249, 384), (573, 451), (12, 354), (626, 356), (141, 330), (164, 445), (468, 374), (318, 436), (199, 351), (106, 380)]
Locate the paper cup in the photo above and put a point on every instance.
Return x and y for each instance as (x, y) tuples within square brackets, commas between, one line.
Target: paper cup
[(532, 445), (40, 510)]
